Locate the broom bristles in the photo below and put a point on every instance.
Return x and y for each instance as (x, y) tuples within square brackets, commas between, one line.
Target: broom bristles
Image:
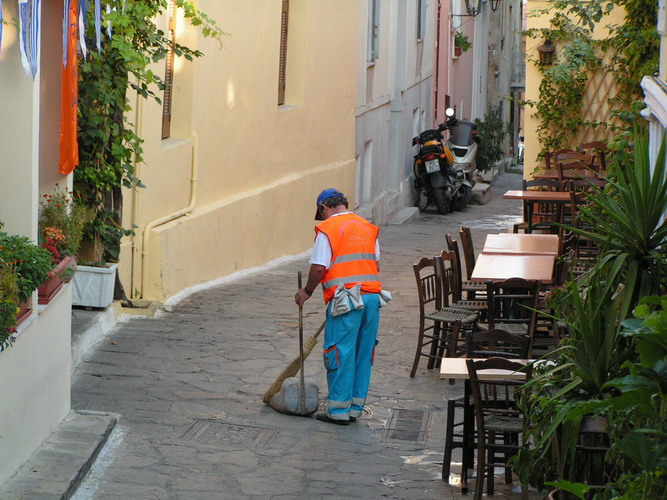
[(293, 368)]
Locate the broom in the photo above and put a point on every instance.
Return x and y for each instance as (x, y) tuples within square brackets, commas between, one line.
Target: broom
[(293, 368)]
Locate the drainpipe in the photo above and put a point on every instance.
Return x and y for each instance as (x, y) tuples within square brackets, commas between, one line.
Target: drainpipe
[(136, 193), (168, 218)]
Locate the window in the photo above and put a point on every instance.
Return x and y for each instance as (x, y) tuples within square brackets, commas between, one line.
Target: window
[(373, 29), (282, 70), (169, 72), (421, 19)]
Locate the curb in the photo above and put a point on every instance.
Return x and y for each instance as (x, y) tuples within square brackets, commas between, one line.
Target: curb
[(58, 467)]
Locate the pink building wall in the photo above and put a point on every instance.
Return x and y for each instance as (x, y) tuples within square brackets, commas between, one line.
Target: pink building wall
[(452, 76)]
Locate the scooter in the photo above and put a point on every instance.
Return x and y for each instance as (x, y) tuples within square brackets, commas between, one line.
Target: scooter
[(437, 178), (463, 140)]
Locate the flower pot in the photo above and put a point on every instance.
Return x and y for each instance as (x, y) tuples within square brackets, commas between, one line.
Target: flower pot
[(24, 311), (57, 277), (457, 51), (93, 286)]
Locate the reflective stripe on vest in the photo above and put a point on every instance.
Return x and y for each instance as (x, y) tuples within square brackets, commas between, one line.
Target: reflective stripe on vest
[(353, 258)]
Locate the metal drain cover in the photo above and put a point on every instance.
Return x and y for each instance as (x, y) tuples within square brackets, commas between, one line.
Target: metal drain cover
[(408, 425), (217, 432)]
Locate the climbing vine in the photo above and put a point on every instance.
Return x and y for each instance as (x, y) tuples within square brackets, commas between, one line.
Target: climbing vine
[(629, 52), (108, 147)]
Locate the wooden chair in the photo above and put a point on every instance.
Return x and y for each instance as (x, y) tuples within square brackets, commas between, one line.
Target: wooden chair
[(479, 344), (512, 306), (451, 286), (468, 250), (498, 423), (550, 156), (473, 289), (544, 215), (440, 338), (597, 150), (570, 170), (496, 343), (581, 190)]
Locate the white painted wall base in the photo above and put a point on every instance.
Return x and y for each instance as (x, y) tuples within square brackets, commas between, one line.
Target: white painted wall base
[(36, 383)]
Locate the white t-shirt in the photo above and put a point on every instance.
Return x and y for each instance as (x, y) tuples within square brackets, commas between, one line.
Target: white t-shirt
[(321, 255)]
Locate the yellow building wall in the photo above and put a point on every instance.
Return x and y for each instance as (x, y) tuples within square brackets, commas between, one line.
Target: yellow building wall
[(600, 87), (258, 166)]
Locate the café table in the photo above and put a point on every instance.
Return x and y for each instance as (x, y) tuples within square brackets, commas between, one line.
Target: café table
[(542, 198), (512, 243), (498, 267), (538, 196), (456, 368)]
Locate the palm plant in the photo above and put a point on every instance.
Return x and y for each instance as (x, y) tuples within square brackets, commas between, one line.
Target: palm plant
[(628, 224)]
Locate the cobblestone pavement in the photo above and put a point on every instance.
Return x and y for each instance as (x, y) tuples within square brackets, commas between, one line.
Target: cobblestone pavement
[(188, 384)]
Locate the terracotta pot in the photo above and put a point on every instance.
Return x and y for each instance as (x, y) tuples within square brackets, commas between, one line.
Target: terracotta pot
[(24, 311), (54, 283), (457, 51)]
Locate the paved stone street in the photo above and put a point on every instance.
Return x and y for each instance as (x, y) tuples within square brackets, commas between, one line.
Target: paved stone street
[(188, 385)]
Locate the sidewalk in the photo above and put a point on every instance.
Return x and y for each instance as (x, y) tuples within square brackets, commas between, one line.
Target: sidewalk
[(187, 385)]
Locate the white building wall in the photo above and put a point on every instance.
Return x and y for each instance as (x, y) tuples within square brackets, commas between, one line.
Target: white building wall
[(655, 90), (392, 90), (35, 371)]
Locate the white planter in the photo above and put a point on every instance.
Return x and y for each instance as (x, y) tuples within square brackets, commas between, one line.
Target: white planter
[(93, 286)]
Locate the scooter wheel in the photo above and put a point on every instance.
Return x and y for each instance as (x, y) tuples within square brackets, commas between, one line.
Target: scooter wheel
[(461, 198)]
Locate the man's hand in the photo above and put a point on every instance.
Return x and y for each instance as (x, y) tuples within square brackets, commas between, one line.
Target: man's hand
[(301, 297), (314, 278)]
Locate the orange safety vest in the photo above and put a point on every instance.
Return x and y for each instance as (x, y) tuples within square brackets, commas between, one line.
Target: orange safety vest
[(353, 257)]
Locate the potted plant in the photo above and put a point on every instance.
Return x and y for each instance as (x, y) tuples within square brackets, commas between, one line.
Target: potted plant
[(461, 43), (8, 309), (108, 147), (491, 133), (31, 264), (61, 224), (597, 374)]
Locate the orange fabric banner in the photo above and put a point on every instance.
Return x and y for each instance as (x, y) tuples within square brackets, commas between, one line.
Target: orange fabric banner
[(69, 148)]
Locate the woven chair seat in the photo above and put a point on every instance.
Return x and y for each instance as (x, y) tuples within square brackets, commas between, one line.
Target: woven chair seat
[(452, 314), (515, 328), (497, 423)]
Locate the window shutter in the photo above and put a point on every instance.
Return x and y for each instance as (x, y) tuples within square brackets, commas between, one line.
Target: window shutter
[(169, 72), (373, 29), (283, 52)]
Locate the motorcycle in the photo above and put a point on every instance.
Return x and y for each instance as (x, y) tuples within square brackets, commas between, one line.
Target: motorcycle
[(438, 178)]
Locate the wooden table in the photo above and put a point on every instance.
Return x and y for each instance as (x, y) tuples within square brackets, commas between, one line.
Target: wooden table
[(546, 215), (497, 267), (456, 368), (511, 243), (538, 196)]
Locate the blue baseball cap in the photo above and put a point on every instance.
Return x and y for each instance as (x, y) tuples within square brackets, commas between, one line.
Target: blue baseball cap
[(325, 195)]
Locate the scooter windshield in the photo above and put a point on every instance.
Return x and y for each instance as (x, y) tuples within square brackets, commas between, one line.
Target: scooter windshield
[(461, 133)]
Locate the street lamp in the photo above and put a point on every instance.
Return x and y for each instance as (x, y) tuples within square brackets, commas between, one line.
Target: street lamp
[(494, 5), (547, 53)]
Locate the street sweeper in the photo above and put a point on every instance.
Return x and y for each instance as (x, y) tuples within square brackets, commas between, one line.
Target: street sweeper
[(345, 261)]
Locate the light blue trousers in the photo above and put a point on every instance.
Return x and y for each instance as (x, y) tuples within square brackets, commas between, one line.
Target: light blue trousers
[(349, 347)]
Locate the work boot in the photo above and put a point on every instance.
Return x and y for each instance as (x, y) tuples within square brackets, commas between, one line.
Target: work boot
[(326, 418)]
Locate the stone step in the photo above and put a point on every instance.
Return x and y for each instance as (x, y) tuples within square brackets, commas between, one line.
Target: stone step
[(59, 465), (404, 215), (481, 193)]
